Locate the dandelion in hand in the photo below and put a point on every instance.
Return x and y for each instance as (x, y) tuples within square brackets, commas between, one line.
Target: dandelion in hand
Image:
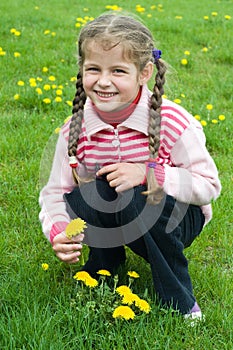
[(75, 227)]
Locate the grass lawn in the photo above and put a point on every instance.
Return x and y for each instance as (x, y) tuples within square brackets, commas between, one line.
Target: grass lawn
[(44, 310)]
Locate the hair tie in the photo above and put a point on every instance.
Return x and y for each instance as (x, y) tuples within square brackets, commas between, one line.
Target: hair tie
[(156, 54), (73, 162)]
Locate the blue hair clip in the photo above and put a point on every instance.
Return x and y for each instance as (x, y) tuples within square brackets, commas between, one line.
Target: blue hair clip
[(156, 54)]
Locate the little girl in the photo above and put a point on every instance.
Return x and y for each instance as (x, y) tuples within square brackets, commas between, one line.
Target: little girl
[(130, 163)]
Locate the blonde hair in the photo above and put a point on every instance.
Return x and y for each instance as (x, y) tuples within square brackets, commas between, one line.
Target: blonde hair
[(137, 41)]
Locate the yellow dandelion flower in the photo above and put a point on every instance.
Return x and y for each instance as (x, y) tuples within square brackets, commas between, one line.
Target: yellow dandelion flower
[(72, 79), (47, 87), (57, 130), (140, 9), (54, 86), (206, 18), (104, 273), (184, 61), (227, 17), (17, 54), (39, 79), (16, 97), (182, 95), (143, 305), (81, 276), (203, 123), (17, 33), (53, 33), (70, 103), (130, 298), (58, 99), (221, 117), (91, 282), (133, 274), (209, 107), (13, 30), (20, 83), (2, 53), (204, 49), (177, 100), (122, 290), (46, 32), (75, 227), (214, 121), (33, 84), (197, 116), (153, 7), (149, 15), (124, 312), (44, 266), (77, 24), (178, 17), (59, 92), (39, 91), (164, 96), (45, 69), (52, 78), (46, 100), (214, 14), (187, 53)]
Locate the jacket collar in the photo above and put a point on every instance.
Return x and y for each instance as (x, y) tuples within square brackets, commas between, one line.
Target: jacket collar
[(138, 120)]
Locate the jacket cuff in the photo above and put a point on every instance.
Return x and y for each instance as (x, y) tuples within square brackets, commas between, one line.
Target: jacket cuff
[(159, 174), (57, 228)]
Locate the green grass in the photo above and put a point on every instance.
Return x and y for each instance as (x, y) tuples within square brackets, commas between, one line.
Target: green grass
[(38, 308)]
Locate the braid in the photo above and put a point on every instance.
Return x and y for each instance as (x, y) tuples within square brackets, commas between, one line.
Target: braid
[(76, 121), (154, 192)]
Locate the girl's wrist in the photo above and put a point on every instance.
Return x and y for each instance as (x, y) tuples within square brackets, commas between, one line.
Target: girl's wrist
[(159, 172), (57, 228)]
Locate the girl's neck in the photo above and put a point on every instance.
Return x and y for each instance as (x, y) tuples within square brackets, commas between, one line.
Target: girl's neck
[(118, 116)]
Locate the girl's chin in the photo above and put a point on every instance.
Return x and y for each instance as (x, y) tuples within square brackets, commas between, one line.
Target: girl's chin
[(108, 106)]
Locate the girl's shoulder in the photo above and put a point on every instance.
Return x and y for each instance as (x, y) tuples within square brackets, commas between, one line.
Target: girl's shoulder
[(175, 114), (65, 129)]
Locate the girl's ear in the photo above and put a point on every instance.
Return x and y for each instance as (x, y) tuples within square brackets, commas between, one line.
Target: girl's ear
[(146, 73)]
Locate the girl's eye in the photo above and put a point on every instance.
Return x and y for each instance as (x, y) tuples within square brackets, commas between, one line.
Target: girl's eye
[(92, 69), (119, 71)]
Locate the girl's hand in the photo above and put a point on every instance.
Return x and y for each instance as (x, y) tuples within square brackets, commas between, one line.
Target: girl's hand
[(123, 176), (68, 250)]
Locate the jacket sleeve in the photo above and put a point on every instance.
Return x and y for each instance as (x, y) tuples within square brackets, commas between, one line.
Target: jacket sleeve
[(194, 177), (53, 210)]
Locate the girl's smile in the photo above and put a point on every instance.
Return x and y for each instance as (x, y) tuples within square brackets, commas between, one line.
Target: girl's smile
[(109, 79)]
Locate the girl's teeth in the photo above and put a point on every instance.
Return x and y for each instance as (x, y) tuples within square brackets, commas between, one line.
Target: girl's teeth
[(105, 94)]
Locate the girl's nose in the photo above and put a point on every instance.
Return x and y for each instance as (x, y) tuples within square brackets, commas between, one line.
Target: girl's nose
[(104, 80)]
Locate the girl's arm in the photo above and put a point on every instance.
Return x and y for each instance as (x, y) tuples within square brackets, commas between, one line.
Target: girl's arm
[(53, 215), (194, 178)]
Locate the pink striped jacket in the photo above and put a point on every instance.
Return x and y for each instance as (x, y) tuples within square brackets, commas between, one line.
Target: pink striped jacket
[(185, 169)]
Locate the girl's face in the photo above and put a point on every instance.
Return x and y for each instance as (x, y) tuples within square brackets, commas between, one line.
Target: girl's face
[(108, 78)]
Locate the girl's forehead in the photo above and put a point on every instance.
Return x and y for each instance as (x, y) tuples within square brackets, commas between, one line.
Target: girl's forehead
[(107, 48), (102, 46)]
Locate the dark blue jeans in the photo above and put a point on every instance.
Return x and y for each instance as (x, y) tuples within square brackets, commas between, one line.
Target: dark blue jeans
[(158, 233)]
